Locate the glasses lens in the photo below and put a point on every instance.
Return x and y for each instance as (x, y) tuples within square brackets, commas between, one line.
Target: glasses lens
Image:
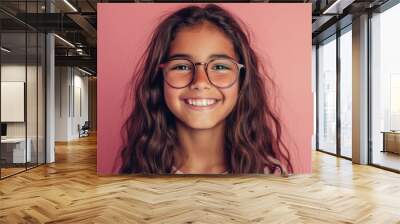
[(178, 73), (222, 72)]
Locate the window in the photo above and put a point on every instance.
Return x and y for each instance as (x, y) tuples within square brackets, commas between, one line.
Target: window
[(327, 95), (385, 88), (346, 93)]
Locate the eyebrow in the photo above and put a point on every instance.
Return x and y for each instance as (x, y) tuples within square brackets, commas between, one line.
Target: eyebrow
[(175, 56)]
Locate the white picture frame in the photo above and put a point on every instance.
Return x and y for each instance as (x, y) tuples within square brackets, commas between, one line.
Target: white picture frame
[(12, 101)]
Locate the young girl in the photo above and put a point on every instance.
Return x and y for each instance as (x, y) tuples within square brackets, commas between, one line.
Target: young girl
[(201, 103)]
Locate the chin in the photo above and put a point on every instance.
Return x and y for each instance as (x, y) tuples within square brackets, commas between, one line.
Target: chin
[(201, 125)]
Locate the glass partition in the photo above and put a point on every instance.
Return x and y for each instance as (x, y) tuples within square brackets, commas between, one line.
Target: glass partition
[(31, 100), (327, 95), (385, 89), (22, 88), (14, 153), (41, 91)]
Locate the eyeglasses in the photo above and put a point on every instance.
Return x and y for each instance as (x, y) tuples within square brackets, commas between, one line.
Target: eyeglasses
[(221, 72)]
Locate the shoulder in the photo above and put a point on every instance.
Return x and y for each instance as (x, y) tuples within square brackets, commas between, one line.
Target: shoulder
[(174, 170), (276, 170)]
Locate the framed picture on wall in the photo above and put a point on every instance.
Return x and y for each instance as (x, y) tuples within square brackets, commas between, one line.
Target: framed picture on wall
[(204, 88)]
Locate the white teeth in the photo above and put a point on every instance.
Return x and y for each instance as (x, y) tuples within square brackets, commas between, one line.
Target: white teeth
[(201, 102)]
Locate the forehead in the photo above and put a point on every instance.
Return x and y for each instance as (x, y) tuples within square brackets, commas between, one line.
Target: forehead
[(202, 40)]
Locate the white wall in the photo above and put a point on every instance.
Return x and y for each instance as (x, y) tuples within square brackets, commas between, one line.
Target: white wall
[(71, 93), (61, 103), (80, 102), (16, 73)]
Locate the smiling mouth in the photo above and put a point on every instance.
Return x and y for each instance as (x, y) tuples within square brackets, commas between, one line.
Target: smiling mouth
[(205, 102)]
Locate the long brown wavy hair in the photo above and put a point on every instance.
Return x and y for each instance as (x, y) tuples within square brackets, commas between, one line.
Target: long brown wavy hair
[(253, 131)]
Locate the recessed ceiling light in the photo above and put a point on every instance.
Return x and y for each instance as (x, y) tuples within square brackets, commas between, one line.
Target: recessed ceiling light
[(337, 7), (5, 50), (64, 40), (70, 5), (84, 71)]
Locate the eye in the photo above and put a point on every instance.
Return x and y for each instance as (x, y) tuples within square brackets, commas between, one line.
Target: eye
[(221, 67), (181, 67)]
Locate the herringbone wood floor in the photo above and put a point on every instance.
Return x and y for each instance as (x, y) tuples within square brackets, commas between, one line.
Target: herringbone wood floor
[(69, 191)]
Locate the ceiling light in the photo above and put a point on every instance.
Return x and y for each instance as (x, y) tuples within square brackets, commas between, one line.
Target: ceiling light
[(64, 40), (84, 71), (338, 6), (70, 5), (5, 50)]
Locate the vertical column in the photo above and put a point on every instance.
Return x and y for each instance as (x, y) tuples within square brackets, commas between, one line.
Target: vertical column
[(314, 92), (360, 90), (50, 92), (338, 98)]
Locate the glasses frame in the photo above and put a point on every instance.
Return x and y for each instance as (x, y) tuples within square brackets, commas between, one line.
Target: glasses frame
[(239, 66)]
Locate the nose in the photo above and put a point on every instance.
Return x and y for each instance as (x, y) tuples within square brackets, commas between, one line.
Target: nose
[(200, 79)]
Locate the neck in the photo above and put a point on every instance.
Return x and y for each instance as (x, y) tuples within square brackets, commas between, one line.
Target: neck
[(200, 150)]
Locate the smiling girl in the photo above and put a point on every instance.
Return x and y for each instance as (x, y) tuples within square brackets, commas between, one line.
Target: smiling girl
[(201, 102)]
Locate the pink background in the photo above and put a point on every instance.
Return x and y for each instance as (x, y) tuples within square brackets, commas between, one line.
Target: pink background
[(281, 35)]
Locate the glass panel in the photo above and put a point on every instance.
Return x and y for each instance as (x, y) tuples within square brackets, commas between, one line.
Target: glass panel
[(314, 90), (31, 84), (346, 93), (41, 98), (31, 100), (386, 89), (23, 88), (13, 89), (14, 5), (41, 6), (327, 96)]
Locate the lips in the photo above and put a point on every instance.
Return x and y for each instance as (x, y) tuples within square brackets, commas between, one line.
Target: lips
[(201, 103)]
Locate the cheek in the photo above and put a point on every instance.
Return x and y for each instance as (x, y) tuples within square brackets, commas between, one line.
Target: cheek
[(231, 97), (171, 97)]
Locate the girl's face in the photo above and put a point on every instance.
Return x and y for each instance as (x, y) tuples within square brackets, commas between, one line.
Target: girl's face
[(201, 105)]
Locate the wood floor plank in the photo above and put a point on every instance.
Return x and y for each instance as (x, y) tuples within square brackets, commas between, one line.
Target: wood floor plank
[(69, 191)]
